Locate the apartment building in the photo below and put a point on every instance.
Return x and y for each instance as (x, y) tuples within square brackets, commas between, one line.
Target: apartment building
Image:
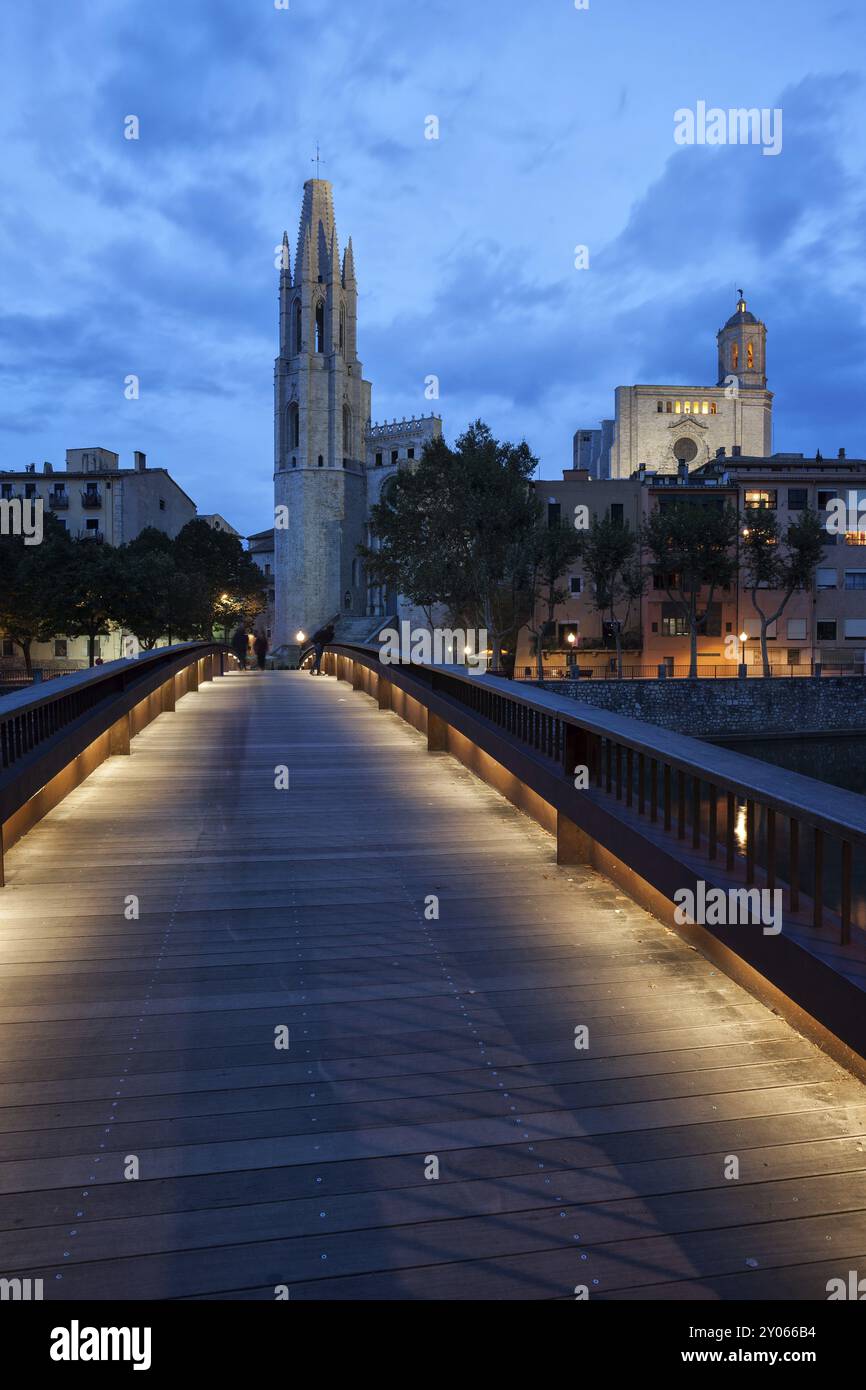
[(97, 500), (826, 623)]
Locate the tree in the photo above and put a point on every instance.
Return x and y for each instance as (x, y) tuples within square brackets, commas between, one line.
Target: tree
[(779, 564), (154, 599), (219, 565), (554, 550), (30, 587), (610, 552), (691, 544), (457, 531), (89, 582)]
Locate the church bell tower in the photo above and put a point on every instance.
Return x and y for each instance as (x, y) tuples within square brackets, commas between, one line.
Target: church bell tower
[(321, 416), (743, 349)]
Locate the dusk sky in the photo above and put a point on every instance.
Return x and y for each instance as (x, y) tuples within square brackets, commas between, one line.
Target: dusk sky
[(155, 256)]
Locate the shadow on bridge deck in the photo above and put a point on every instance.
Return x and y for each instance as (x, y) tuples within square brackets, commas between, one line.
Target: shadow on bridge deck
[(146, 1043)]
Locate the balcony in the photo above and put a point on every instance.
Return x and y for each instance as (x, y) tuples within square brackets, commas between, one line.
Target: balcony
[(85, 535), (58, 501), (90, 499)]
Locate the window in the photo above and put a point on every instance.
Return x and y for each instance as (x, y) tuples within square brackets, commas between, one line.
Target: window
[(6, 490), (162, 504), (554, 514), (794, 654), (675, 627), (320, 327), (796, 629), (678, 408), (669, 405), (855, 579), (267, 568), (826, 630), (575, 584), (685, 449), (825, 578), (395, 454), (664, 581), (8, 647), (92, 524), (379, 459), (660, 405), (299, 336), (824, 499), (761, 498), (687, 407), (347, 432), (855, 628), (752, 628), (29, 489), (705, 407), (410, 453), (321, 460), (617, 513), (294, 426), (60, 647), (356, 573), (342, 327), (750, 356), (798, 498), (713, 408), (735, 356)]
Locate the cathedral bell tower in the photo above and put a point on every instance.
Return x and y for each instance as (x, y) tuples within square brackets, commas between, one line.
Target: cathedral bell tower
[(321, 415), (743, 349)]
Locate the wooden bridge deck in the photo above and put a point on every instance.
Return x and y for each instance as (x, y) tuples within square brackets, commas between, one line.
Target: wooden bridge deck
[(153, 1039)]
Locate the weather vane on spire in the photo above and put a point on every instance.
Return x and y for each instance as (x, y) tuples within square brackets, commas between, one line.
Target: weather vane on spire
[(317, 161)]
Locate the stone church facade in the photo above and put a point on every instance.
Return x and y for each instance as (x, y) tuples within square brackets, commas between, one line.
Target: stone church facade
[(331, 464), (660, 427)]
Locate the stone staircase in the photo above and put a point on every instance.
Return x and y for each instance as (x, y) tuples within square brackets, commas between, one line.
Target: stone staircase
[(360, 631)]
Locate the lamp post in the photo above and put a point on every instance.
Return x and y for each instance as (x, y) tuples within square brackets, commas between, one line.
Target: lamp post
[(744, 637), (571, 639)]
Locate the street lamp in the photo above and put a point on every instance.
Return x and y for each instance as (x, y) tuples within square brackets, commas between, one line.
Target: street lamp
[(571, 638), (300, 636), (744, 637)]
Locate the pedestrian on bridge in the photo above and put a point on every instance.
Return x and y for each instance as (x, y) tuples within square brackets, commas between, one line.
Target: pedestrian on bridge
[(320, 640), (260, 647), (240, 646)]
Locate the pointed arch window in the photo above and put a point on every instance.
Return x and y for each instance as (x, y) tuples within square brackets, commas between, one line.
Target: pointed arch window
[(342, 329), (735, 356), (347, 433), (294, 426), (320, 326), (750, 356), (299, 330)]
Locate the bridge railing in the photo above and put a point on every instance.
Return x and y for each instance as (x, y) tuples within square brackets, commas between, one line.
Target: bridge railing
[(670, 808), (49, 728)]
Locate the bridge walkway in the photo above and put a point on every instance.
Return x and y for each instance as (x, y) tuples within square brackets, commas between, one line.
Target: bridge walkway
[(431, 1130)]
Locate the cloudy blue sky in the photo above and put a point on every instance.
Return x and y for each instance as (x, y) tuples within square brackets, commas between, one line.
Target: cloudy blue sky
[(156, 256)]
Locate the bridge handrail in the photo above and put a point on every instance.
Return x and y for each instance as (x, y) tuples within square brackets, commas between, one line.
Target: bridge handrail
[(638, 763), (47, 725)]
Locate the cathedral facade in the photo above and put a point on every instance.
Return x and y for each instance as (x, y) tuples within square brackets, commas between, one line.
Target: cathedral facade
[(331, 463), (661, 427)]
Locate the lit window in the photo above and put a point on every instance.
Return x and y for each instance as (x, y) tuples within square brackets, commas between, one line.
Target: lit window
[(712, 407), (687, 407), (696, 407), (678, 408), (750, 356), (735, 356), (705, 407)]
